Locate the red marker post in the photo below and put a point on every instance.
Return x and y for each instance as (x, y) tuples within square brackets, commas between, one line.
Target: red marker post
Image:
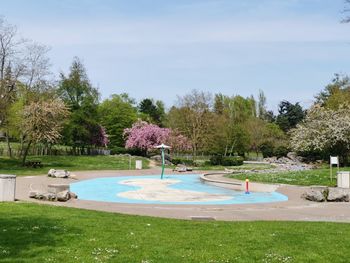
[(247, 186)]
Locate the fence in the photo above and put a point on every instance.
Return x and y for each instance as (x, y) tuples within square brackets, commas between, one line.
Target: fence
[(40, 150)]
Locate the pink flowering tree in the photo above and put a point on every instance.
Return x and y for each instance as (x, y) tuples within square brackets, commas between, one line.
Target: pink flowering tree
[(146, 136), (178, 142)]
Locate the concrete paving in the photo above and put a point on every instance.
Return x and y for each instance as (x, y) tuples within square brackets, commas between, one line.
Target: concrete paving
[(295, 209)]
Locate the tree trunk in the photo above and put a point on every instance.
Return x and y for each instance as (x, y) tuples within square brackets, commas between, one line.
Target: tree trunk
[(26, 153)]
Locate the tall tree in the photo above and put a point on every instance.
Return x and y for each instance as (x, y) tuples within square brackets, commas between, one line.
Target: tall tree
[(192, 117), (325, 131), (289, 115), (261, 109), (116, 114), (42, 122), (154, 110), (82, 99), (336, 93), (22, 64)]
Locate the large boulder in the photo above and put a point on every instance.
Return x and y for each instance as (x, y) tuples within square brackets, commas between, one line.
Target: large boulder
[(63, 196), (47, 197), (58, 173), (338, 195), (316, 195), (56, 188)]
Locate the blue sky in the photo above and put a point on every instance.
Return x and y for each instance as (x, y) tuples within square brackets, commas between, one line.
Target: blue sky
[(157, 48)]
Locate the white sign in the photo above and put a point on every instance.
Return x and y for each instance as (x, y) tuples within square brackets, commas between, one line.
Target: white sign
[(334, 160)]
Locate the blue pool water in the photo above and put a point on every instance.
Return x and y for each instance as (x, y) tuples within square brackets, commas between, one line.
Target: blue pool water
[(107, 189)]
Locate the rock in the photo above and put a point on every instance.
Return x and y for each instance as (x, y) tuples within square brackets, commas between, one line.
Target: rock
[(293, 156), (338, 195), (73, 195), (47, 197), (56, 188), (158, 159), (63, 196), (58, 173), (316, 195), (33, 194)]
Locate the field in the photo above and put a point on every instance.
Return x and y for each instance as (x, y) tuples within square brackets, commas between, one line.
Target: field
[(319, 176), (39, 233), (71, 163)]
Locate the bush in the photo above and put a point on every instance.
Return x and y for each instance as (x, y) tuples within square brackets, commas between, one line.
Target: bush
[(177, 161), (281, 151), (232, 161), (266, 150), (226, 161), (122, 150), (216, 160)]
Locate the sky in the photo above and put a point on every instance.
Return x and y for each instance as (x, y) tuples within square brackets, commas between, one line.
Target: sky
[(290, 49)]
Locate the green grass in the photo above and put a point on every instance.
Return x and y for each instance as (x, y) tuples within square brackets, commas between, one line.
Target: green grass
[(241, 167), (319, 176), (71, 163), (39, 233)]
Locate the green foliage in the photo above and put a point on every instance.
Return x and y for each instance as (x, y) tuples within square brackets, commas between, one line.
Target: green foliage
[(117, 113), (241, 141), (123, 150), (155, 111), (184, 161), (226, 160), (267, 149), (232, 161), (289, 115), (216, 159), (281, 151), (336, 93), (82, 99)]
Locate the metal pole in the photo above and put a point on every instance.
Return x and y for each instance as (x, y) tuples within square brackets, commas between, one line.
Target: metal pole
[(163, 164)]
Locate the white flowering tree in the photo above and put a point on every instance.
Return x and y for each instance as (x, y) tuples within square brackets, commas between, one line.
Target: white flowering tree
[(323, 130)]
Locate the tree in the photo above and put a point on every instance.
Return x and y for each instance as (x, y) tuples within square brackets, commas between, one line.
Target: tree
[(261, 110), (116, 114), (336, 93), (289, 115), (324, 131), (346, 10), (193, 118), (22, 64), (82, 99), (232, 115), (145, 137), (42, 122), (155, 111)]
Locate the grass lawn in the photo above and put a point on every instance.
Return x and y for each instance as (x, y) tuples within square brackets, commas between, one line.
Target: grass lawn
[(39, 233), (311, 177), (241, 167), (71, 163)]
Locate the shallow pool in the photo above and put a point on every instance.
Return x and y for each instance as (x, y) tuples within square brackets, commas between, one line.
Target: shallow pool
[(173, 189)]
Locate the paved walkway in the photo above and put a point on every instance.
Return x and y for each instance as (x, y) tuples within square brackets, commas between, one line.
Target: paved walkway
[(295, 209)]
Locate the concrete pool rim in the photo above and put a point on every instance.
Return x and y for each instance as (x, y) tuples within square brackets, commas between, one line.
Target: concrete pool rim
[(218, 179)]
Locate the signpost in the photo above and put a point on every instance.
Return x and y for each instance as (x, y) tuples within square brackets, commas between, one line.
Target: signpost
[(334, 160), (162, 147)]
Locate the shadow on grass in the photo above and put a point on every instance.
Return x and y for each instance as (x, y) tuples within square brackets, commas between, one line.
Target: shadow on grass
[(28, 237)]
